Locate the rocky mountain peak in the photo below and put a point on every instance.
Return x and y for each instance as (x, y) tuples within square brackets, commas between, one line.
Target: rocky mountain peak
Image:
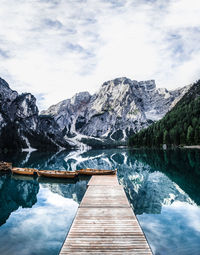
[(3, 83), (117, 81), (25, 106), (121, 107), (6, 95), (147, 85), (20, 125), (80, 99)]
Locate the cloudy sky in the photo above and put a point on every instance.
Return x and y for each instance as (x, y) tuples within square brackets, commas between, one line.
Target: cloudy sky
[(55, 48)]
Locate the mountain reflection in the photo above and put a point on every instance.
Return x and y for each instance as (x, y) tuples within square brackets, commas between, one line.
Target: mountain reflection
[(40, 229), (162, 186), (15, 193), (66, 188), (151, 178), (180, 166), (175, 231)]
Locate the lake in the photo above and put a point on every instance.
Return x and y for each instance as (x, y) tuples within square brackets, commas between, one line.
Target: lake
[(163, 188)]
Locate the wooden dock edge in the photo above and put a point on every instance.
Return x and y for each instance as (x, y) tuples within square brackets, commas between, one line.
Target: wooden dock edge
[(105, 222)]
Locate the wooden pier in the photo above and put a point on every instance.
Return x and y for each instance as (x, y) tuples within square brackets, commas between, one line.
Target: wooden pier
[(105, 222)]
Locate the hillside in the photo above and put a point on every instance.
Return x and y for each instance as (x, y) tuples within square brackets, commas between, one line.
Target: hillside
[(21, 127), (119, 109), (108, 118), (180, 126)]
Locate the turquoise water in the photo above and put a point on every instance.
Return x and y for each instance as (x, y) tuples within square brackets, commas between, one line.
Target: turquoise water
[(163, 188)]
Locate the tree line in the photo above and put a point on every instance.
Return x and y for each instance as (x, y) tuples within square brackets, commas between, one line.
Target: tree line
[(180, 126)]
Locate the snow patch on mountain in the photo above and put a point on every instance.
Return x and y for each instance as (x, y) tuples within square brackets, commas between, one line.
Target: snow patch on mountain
[(120, 108)]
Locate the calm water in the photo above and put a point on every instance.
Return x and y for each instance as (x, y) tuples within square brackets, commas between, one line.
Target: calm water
[(163, 187)]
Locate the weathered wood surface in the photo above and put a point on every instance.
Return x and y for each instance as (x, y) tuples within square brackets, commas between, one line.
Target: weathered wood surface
[(5, 166), (103, 180), (105, 222)]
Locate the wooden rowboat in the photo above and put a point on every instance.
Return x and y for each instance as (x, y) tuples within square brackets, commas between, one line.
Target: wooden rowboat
[(89, 171), (57, 174), (5, 167), (24, 171)]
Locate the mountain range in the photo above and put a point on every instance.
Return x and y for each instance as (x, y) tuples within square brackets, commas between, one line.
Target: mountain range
[(108, 118), (21, 126), (180, 126), (119, 109)]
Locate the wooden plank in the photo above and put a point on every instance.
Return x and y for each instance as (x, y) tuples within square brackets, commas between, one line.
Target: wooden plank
[(103, 180), (105, 222), (105, 196), (106, 252)]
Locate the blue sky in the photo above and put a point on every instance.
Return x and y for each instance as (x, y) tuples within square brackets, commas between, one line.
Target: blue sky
[(56, 48)]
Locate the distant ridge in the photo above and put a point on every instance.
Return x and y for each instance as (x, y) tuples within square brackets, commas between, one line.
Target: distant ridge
[(108, 118), (119, 109), (21, 127), (181, 126)]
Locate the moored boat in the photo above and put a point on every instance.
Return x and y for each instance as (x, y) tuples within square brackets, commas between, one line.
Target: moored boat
[(57, 174), (89, 171), (5, 167), (24, 171)]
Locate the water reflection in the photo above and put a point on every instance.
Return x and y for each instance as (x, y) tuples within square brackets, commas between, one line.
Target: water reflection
[(41, 229), (150, 178), (15, 193), (163, 188), (66, 188), (175, 231), (181, 166), (36, 214)]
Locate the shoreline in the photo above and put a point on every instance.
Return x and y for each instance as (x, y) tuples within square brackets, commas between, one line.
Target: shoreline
[(192, 146)]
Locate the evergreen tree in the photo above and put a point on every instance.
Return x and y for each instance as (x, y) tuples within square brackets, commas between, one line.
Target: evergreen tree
[(166, 139), (179, 126), (190, 134)]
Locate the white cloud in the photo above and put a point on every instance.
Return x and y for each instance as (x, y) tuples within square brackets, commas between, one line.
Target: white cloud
[(40, 230), (57, 48)]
